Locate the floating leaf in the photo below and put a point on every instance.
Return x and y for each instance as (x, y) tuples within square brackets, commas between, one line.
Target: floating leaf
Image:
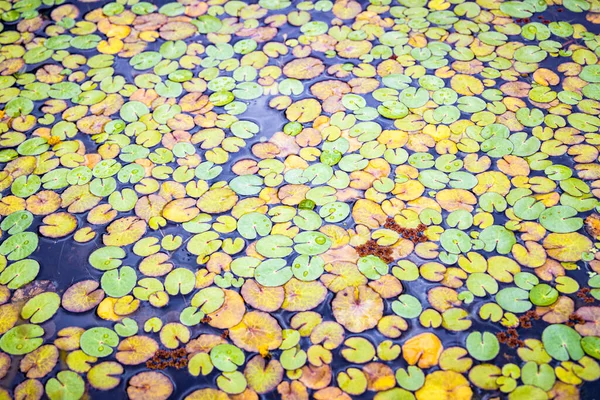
[(66, 385), (357, 308), (105, 376), (136, 350), (424, 350), (149, 385), (482, 346), (98, 342), (22, 339), (226, 357), (562, 342), (41, 307), (40, 362)]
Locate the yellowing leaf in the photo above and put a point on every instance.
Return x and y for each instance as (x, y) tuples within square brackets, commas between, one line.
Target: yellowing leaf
[(217, 200), (124, 231), (445, 385), (136, 349), (303, 296), (566, 246), (357, 308), (256, 331), (423, 350)]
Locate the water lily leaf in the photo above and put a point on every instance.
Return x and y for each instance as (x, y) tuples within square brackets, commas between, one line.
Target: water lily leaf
[(311, 243), (423, 350), (22, 339), (293, 358), (98, 342), (58, 225), (455, 241), (514, 300), (307, 220), (562, 342), (209, 299), (527, 392), (17, 222), (275, 246), (217, 200), (180, 280), (357, 308), (105, 376), (482, 346), (263, 376), (119, 282), (481, 284), (208, 23), (406, 271), (149, 385), (559, 219), (232, 382), (497, 238), (10, 316), (304, 68), (19, 274), (591, 346), (41, 307), (273, 272), (124, 231), (485, 376), (257, 332), (411, 378), (246, 185), (541, 376), (64, 90), (127, 327), (455, 319), (107, 258), (19, 246), (226, 357), (587, 326), (66, 385), (530, 54), (200, 364), (191, 316), (136, 349), (526, 280), (252, 224), (306, 268), (358, 350), (39, 362), (518, 9), (448, 383), (407, 306), (372, 267), (543, 295), (173, 333), (566, 246)]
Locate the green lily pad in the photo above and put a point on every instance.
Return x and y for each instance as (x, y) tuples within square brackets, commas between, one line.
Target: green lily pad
[(66, 386), (562, 342), (483, 346), (98, 342), (22, 339), (227, 357)]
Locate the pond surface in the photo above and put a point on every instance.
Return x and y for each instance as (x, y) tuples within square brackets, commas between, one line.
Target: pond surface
[(278, 199)]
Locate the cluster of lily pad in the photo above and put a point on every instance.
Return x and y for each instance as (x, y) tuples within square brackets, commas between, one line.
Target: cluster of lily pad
[(221, 161)]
